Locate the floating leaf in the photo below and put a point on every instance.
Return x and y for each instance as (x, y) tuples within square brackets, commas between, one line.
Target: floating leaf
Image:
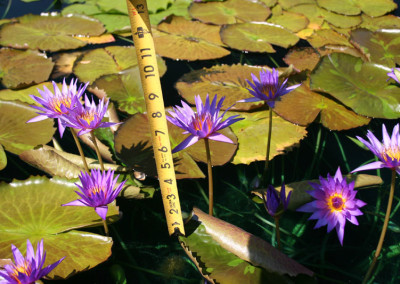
[(360, 86), (372, 8), (305, 58), (16, 135), (154, 6), (341, 21), (252, 133), (286, 4), (23, 94), (105, 38), (384, 22), (224, 80), (311, 11), (3, 158), (51, 33), (229, 12), (291, 21), (64, 62), (26, 214), (321, 38), (178, 8), (225, 253), (112, 7), (346, 7), (302, 106), (19, 69), (257, 37), (196, 41), (114, 23), (88, 8), (382, 46)]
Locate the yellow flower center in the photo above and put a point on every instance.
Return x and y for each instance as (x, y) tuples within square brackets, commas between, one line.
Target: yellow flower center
[(391, 154), (25, 269), (198, 121), (336, 202), (97, 190), (269, 88), (87, 116), (58, 101)]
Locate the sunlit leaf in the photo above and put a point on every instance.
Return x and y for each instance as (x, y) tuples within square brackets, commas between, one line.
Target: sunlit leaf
[(23, 94), (229, 12), (154, 6), (361, 86), (88, 8), (105, 38), (257, 37), (31, 209), (346, 7), (286, 4), (196, 41), (19, 69), (252, 134), (305, 58), (382, 46), (384, 22), (302, 106), (115, 6), (225, 253), (375, 8), (311, 11), (341, 21), (50, 33), (16, 135), (372, 8), (64, 62), (328, 37), (291, 21), (114, 23), (178, 8), (3, 158)]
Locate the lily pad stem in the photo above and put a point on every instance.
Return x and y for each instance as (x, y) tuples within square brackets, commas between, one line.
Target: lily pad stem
[(97, 150), (210, 178), (105, 228), (384, 228), (264, 176), (78, 144), (277, 231)]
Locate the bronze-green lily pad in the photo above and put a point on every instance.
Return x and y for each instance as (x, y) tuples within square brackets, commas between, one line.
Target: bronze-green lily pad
[(301, 106), (181, 39), (328, 37), (50, 33), (305, 58), (26, 214), (16, 135), (345, 7), (252, 133), (229, 12), (384, 22), (340, 21), (291, 21), (225, 253), (287, 4), (64, 62), (382, 46), (257, 37), (227, 81), (19, 69), (372, 8), (360, 86), (23, 95), (108, 60), (311, 11), (3, 158)]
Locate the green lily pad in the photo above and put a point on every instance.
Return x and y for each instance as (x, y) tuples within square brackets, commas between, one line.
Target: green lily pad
[(346, 7), (305, 58), (311, 11), (340, 21), (19, 69), (227, 81), (257, 37), (197, 41), (382, 46), (3, 158), (229, 12), (16, 135), (225, 253), (384, 22), (108, 60), (372, 8), (26, 215), (114, 23), (361, 86), (154, 6), (287, 4), (302, 106), (88, 8), (325, 37), (178, 8), (50, 33), (113, 7), (22, 95), (252, 133), (291, 21)]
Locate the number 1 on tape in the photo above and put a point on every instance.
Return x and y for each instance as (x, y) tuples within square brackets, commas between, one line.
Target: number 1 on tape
[(144, 45)]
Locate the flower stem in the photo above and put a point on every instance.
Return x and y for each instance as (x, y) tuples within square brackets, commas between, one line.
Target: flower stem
[(264, 176), (97, 150), (78, 144), (105, 228), (210, 179), (384, 228), (278, 233)]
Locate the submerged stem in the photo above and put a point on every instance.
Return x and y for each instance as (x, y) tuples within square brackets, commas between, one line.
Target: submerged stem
[(278, 233), (105, 228), (97, 150), (78, 144), (264, 176), (384, 228), (210, 179)]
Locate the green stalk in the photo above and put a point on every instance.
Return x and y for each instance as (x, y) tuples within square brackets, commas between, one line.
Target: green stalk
[(105, 228), (384, 228), (277, 231), (97, 150), (264, 176), (78, 144), (210, 179)]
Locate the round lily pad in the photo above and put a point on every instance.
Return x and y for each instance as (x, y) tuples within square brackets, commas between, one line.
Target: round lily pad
[(26, 214), (376, 23), (50, 33), (328, 37), (346, 7), (257, 37), (361, 86), (291, 21), (373, 8), (177, 8), (23, 95), (16, 135), (229, 12)]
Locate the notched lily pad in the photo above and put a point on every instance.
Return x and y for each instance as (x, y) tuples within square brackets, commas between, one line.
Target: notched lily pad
[(26, 214), (355, 7), (19, 69), (229, 12), (50, 33), (291, 21), (257, 36), (178, 38), (360, 86), (22, 95)]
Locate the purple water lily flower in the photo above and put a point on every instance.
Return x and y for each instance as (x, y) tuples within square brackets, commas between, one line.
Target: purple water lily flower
[(388, 152), (274, 203), (27, 270), (97, 191), (395, 74), (267, 88), (59, 103), (334, 203), (88, 117), (204, 123)]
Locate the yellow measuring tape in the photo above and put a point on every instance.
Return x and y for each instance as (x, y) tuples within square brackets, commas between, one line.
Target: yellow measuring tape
[(144, 45)]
